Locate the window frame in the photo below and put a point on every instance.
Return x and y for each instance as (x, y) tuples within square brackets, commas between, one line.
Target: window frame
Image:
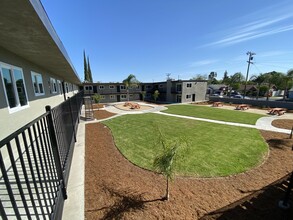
[(34, 76), (18, 106), (53, 85), (123, 96)]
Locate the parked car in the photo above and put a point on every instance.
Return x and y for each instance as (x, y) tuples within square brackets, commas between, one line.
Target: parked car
[(240, 97), (218, 95)]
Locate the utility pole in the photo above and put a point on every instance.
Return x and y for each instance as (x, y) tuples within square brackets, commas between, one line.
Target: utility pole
[(250, 58)]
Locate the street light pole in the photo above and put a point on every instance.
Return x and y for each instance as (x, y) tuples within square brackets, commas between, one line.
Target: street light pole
[(250, 54)]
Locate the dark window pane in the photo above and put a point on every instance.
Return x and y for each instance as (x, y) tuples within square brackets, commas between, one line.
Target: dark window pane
[(9, 87)]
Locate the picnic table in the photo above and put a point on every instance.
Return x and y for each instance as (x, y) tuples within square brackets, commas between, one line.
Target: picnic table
[(217, 104), (277, 111), (242, 107)]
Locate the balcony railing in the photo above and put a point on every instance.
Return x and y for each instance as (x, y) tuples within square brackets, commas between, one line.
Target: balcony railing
[(35, 162)]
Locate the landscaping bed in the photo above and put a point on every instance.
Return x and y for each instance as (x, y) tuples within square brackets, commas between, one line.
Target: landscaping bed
[(117, 189)]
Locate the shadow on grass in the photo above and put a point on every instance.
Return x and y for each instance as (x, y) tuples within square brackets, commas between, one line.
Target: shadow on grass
[(261, 204), (125, 201)]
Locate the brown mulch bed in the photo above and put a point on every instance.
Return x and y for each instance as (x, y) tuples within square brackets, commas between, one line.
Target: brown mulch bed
[(116, 189), (283, 123), (102, 114)]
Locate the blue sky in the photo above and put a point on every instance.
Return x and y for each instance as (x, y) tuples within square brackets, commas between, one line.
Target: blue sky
[(150, 38)]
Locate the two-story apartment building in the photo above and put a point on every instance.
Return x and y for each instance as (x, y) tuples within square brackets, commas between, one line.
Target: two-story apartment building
[(35, 69), (112, 92), (170, 91)]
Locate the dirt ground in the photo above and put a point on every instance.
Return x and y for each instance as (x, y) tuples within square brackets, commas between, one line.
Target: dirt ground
[(117, 189)]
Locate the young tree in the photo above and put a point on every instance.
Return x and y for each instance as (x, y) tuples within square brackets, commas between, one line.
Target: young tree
[(143, 94), (164, 162), (130, 81), (96, 97), (156, 95)]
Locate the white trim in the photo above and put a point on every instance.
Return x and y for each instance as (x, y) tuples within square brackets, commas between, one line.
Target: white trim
[(35, 79), (18, 106), (53, 85)]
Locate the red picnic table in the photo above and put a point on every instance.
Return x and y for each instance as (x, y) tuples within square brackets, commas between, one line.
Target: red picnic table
[(217, 104), (242, 107), (277, 111)]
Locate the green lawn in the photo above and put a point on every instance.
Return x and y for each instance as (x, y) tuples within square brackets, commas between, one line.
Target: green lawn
[(213, 149), (214, 113)]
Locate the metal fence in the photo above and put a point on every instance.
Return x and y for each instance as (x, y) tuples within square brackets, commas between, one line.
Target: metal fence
[(35, 163)]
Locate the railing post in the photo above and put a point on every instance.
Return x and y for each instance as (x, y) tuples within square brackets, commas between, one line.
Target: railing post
[(72, 121), (53, 139)]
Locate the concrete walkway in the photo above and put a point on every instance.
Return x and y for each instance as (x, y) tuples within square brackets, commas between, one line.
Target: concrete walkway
[(74, 205)]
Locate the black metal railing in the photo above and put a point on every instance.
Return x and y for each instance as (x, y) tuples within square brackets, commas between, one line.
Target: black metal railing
[(35, 162)]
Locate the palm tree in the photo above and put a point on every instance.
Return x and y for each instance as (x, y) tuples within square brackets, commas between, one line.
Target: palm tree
[(130, 81), (288, 78), (164, 162)]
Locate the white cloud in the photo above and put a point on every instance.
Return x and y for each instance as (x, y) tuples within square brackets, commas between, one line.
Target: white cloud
[(203, 62), (262, 25)]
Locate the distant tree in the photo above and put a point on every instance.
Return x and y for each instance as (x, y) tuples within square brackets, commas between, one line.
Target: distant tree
[(212, 78), (289, 82), (234, 81), (156, 95), (225, 79), (130, 81), (85, 66), (89, 70), (199, 77)]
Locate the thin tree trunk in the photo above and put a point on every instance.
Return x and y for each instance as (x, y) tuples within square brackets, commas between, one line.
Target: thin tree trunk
[(128, 95), (285, 92), (167, 189)]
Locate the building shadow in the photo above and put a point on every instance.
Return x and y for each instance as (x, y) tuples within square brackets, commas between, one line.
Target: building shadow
[(260, 204)]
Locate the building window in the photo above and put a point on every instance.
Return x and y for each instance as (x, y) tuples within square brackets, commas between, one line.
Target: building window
[(101, 87), (53, 85), (161, 86), (188, 96), (149, 87), (14, 87), (66, 87), (38, 84), (123, 97), (178, 87), (112, 96), (102, 96), (111, 87), (60, 86), (88, 88), (122, 87), (189, 85)]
